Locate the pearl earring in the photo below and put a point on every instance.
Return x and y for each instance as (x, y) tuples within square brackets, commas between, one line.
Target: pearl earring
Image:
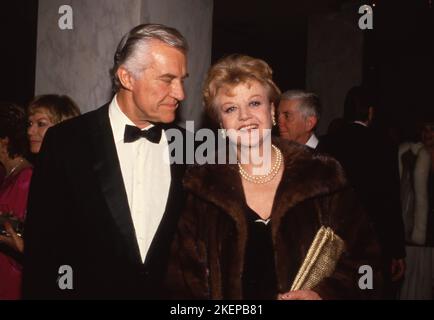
[(223, 133)]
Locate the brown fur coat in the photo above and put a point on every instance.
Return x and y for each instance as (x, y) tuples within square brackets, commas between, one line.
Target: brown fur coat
[(208, 251)]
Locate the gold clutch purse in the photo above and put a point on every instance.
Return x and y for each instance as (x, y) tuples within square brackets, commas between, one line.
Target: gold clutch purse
[(320, 261)]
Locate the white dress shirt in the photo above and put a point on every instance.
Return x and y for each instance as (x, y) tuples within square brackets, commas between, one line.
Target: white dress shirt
[(312, 142), (145, 170)]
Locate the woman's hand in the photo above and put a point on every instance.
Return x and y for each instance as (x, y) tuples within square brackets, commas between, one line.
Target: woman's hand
[(13, 240), (299, 295)]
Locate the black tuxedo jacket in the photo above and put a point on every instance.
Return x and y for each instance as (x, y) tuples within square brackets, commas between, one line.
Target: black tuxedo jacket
[(78, 215), (371, 164)]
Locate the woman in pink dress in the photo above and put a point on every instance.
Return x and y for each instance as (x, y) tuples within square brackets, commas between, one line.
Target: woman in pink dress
[(44, 112), (13, 195)]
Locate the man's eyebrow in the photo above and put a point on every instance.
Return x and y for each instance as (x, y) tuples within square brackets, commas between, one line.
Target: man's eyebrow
[(172, 76), (167, 75)]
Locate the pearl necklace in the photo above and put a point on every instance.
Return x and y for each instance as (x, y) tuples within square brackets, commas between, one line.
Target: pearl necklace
[(260, 179)]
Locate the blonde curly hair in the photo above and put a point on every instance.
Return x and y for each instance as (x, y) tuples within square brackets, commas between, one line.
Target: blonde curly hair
[(233, 70)]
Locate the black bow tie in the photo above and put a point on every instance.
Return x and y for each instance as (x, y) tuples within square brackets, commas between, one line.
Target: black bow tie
[(132, 134)]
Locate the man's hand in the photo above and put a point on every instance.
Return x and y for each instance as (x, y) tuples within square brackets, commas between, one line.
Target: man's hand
[(13, 240), (397, 269), (299, 295)]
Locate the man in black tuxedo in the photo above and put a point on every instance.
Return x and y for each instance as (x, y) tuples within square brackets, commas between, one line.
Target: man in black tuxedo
[(371, 164), (299, 112), (105, 199)]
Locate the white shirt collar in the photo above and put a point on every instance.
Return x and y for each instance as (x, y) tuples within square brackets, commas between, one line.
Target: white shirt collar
[(119, 120), (361, 123), (312, 142)]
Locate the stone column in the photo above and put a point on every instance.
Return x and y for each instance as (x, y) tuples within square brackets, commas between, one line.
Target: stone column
[(77, 62), (334, 59)]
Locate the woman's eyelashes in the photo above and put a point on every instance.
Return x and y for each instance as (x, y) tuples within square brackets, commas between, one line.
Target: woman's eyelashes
[(232, 108), (39, 124), (255, 103), (42, 124)]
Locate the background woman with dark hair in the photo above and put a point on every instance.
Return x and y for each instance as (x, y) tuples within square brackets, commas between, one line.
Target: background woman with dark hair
[(13, 193), (44, 111)]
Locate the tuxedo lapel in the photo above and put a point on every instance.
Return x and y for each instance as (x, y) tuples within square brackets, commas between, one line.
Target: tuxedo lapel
[(108, 171)]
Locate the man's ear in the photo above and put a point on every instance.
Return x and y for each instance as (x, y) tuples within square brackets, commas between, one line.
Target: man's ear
[(311, 123), (125, 78)]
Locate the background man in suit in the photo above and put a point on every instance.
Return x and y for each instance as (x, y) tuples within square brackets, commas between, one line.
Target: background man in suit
[(299, 113), (104, 198), (371, 163)]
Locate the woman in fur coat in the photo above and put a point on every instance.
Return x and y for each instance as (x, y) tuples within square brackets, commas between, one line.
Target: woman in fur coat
[(248, 225)]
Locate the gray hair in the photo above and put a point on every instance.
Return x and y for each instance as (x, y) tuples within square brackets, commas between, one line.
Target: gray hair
[(309, 106), (129, 52)]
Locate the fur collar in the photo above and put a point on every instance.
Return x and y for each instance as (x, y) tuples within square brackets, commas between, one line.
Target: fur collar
[(306, 175)]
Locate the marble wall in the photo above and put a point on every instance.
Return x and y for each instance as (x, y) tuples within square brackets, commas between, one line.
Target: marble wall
[(77, 62), (193, 18), (334, 59)]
